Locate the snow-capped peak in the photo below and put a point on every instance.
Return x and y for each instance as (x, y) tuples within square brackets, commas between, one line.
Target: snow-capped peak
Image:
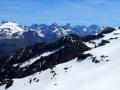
[(99, 71), (10, 28)]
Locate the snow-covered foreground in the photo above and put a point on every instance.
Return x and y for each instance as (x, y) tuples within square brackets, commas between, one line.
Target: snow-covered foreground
[(84, 75)]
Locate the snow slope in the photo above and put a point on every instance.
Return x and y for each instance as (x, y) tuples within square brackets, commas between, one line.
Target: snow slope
[(32, 60), (75, 75)]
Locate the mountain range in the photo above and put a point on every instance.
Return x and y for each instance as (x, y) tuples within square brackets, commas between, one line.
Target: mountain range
[(14, 36), (89, 62)]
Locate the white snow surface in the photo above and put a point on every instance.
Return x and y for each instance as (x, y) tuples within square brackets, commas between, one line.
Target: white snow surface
[(13, 26), (64, 31), (10, 28), (83, 75)]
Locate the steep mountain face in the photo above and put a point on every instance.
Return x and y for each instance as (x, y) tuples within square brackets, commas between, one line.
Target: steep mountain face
[(14, 36), (12, 30), (66, 64), (51, 32), (40, 57), (56, 30)]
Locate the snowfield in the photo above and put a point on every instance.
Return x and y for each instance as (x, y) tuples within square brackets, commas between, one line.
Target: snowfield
[(80, 75)]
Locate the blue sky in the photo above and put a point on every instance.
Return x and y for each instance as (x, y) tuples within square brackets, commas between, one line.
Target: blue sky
[(82, 12)]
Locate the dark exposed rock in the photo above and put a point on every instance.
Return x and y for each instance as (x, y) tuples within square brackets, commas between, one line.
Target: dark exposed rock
[(108, 30), (116, 33), (92, 37), (113, 38), (69, 47), (94, 59), (65, 68), (8, 83), (99, 35), (103, 42), (83, 56)]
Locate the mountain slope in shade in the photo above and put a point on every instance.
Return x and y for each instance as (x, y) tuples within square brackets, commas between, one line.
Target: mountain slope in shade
[(40, 57), (100, 71)]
